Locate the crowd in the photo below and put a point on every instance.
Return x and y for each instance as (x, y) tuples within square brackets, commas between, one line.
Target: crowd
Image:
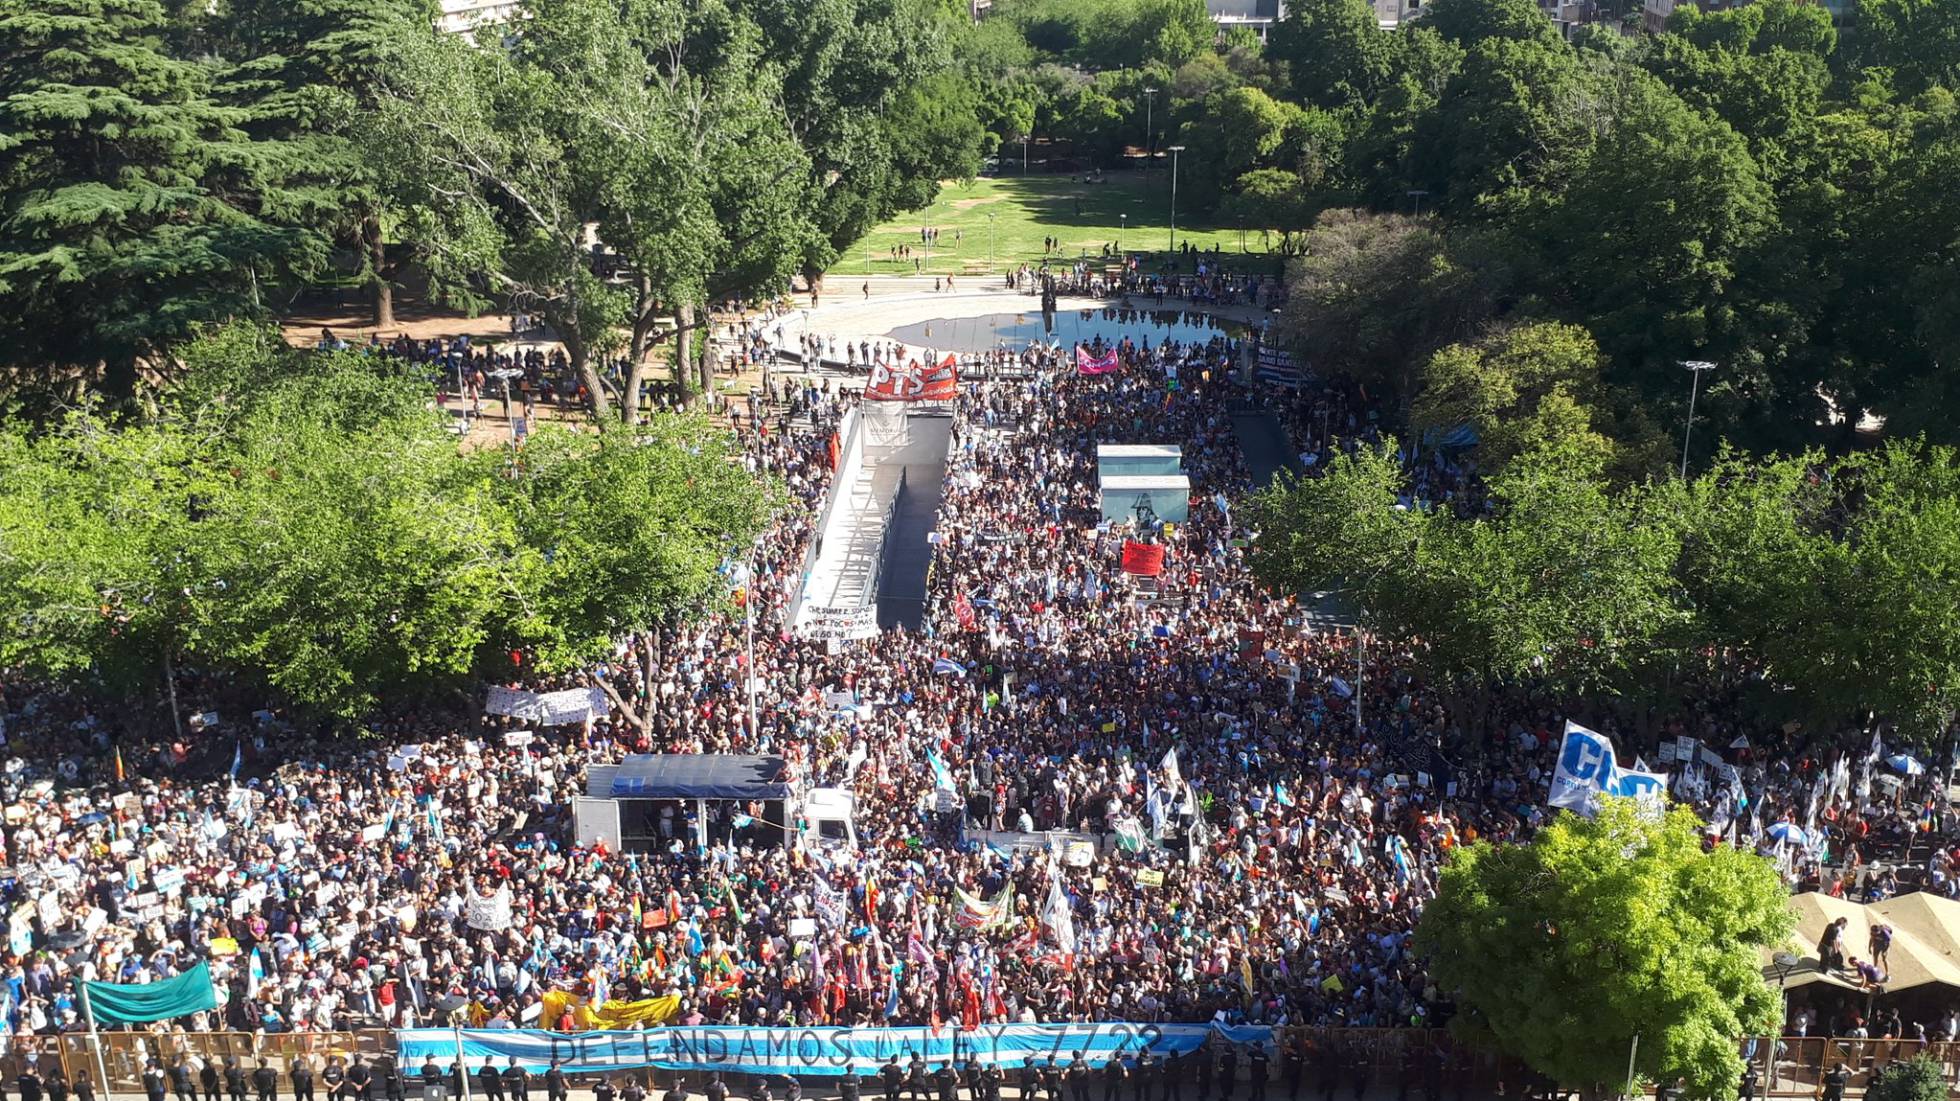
[(1278, 799)]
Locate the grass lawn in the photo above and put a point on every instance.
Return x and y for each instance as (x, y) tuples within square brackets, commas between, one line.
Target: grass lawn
[(1086, 216)]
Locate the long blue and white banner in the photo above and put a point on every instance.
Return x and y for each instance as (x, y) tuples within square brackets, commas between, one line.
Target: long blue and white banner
[(804, 1051), (1587, 769)]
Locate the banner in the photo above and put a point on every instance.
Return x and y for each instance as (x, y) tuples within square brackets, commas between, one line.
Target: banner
[(1146, 559), (806, 1051), (613, 1015), (914, 382), (488, 914), (1095, 365), (981, 913), (1587, 768), (566, 708), (190, 992), (821, 622)]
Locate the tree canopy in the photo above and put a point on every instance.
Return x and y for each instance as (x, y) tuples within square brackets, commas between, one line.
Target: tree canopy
[(309, 522), (1603, 929)]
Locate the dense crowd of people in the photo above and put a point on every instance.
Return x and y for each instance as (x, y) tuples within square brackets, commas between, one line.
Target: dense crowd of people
[(1264, 803)]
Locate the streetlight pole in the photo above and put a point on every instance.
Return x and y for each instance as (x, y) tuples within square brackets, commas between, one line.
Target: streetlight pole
[(1694, 368), (990, 242), (1122, 224), (1149, 127), (1418, 195), (1175, 150), (1024, 154)]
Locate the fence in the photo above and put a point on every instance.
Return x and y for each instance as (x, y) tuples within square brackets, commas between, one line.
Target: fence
[(1412, 1062)]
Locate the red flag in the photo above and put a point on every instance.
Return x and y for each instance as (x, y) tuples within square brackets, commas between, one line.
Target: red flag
[(963, 611), (1144, 559)]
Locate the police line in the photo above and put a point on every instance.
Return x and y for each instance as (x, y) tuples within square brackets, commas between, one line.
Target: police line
[(805, 1051)]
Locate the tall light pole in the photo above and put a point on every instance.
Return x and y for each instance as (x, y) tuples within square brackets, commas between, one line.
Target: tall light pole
[(1123, 223), (1175, 150), (1149, 127), (1694, 368), (1024, 154), (990, 241)]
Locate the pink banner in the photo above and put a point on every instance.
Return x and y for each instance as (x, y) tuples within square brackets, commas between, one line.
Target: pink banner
[(1094, 365)]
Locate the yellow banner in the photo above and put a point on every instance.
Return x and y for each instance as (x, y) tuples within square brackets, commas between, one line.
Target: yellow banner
[(613, 1014)]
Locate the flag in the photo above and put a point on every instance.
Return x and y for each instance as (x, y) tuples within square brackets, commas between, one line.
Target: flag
[(1056, 916), (254, 974), (121, 775), (1143, 559), (237, 757), (1281, 796), (948, 665), (942, 777), (1173, 778), (136, 1003), (963, 611), (979, 913)]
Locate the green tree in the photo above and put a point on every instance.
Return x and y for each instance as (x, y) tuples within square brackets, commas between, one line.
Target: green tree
[(1335, 51), (1649, 240), (1919, 1078), (1520, 390), (1563, 581), (1237, 131), (1372, 295), (1516, 119), (1467, 22), (132, 206), (1917, 40), (1562, 951)]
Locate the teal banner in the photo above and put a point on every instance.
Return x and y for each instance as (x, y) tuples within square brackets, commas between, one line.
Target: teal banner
[(134, 1003)]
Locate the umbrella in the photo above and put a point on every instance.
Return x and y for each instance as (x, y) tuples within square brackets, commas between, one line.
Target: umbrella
[(1787, 831), (1904, 762)]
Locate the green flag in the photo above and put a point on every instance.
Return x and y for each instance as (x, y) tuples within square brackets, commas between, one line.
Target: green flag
[(188, 993)]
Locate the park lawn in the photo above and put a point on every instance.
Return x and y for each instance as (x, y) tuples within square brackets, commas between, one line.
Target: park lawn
[(1086, 216)]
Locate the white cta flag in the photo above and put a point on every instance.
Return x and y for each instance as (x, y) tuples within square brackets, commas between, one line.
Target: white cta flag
[(1587, 769)]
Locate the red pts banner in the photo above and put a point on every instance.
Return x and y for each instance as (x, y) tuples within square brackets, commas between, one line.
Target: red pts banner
[(1146, 559), (914, 382)]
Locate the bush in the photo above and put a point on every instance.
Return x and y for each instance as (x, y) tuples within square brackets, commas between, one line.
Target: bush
[(1915, 1079)]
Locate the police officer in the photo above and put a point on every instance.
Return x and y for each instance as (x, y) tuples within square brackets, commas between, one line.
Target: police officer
[(489, 1082), (393, 1084), (431, 1080), (947, 1081), (849, 1085), (1172, 1077), (1258, 1074), (1113, 1074), (1148, 1070), (458, 1079), (556, 1088), (360, 1081), (991, 1080), (761, 1090), (1078, 1078), (234, 1080), (676, 1092), (29, 1083), (84, 1088), (1203, 1057), (334, 1076), (1228, 1071), (1750, 1079), (890, 1076), (717, 1090), (1296, 1067), (183, 1081), (1051, 1080), (154, 1081), (604, 1091), (1029, 1080), (634, 1091), (265, 1081), (57, 1085), (915, 1078), (792, 1088), (301, 1073), (517, 1081), (207, 1077), (1834, 1083)]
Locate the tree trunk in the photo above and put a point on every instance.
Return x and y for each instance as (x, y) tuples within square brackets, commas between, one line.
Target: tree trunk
[(683, 341), (581, 360), (170, 687), (381, 291), (704, 354)]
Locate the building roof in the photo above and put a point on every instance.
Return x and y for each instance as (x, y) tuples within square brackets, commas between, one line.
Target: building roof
[(691, 776), (1925, 940)]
